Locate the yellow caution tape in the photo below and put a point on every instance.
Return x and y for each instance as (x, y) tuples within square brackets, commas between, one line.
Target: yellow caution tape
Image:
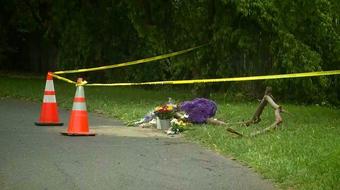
[(82, 83), (159, 57), (70, 81), (266, 77), (63, 79)]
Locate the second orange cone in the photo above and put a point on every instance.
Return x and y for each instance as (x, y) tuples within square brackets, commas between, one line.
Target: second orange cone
[(79, 124)]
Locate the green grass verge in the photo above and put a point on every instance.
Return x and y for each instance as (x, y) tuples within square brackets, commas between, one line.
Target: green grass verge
[(303, 154)]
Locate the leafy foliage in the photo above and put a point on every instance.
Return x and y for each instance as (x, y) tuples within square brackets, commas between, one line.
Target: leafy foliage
[(249, 37)]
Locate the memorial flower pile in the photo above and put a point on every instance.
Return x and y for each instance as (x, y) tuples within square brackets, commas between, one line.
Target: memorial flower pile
[(196, 111)]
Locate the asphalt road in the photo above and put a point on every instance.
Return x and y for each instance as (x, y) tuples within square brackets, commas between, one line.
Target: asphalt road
[(40, 158)]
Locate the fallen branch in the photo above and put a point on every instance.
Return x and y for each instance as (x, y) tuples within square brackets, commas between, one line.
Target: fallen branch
[(267, 99), (270, 100), (233, 131), (222, 123), (278, 121), (257, 115)]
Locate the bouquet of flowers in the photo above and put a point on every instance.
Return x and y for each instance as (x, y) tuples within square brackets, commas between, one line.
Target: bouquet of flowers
[(178, 125), (166, 111)]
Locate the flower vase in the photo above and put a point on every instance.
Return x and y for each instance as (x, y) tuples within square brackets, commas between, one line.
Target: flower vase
[(163, 123)]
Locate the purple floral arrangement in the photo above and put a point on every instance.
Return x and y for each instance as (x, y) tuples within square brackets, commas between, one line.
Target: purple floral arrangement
[(199, 109)]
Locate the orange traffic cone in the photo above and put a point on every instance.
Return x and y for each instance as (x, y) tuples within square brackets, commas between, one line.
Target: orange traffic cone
[(79, 123), (49, 109)]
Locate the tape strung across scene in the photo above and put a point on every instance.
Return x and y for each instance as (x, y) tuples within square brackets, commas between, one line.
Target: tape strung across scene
[(159, 57), (63, 79), (234, 79)]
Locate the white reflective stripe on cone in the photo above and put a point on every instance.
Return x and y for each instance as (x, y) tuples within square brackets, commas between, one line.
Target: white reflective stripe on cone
[(80, 92), (49, 99), (80, 106), (49, 85)]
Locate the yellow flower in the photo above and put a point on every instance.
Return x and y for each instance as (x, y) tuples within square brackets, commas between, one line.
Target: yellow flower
[(170, 107), (158, 108), (181, 123)]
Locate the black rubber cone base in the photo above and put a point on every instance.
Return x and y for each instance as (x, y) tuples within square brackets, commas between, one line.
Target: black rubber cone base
[(77, 134), (48, 124)]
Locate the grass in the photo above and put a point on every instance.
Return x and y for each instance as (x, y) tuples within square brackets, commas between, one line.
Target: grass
[(303, 154)]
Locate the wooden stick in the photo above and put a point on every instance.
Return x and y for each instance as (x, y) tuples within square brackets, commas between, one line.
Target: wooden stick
[(273, 126), (233, 131), (270, 100), (222, 123), (267, 99), (257, 115), (278, 121)]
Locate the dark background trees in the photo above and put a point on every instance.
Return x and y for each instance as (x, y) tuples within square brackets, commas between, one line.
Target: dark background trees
[(249, 37)]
